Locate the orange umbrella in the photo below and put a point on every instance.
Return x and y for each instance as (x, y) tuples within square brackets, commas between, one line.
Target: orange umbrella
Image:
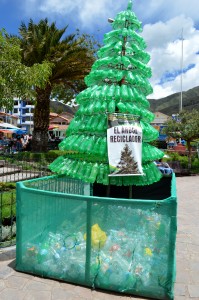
[(6, 131)]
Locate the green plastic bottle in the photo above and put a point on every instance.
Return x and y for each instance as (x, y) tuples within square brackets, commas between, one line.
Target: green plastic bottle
[(100, 175), (96, 146), (87, 171), (101, 125), (89, 123), (124, 92), (94, 172), (105, 177), (96, 119), (103, 147), (91, 143), (84, 144), (104, 106), (81, 170), (111, 106), (97, 107), (122, 107), (117, 93)]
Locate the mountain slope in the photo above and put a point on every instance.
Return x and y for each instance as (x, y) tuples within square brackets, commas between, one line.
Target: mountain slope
[(168, 105), (171, 104)]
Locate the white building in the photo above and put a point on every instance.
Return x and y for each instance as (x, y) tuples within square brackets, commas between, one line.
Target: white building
[(23, 109)]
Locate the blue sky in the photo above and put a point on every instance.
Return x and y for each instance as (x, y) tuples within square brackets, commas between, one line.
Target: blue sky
[(163, 24)]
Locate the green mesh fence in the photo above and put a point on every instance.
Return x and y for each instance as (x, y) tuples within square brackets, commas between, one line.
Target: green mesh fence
[(123, 245)]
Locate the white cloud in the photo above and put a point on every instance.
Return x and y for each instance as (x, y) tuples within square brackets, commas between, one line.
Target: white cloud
[(165, 47), (85, 13), (164, 21)]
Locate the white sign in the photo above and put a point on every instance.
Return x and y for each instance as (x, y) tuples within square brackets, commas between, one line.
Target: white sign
[(124, 139)]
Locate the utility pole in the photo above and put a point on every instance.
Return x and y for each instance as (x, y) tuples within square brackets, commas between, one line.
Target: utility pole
[(181, 67)]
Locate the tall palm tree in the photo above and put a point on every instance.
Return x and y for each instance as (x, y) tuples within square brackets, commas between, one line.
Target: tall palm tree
[(71, 61)]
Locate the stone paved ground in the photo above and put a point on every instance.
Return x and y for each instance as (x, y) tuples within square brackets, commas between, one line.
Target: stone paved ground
[(19, 286)]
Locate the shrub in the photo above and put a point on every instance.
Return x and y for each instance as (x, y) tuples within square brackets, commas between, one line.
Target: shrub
[(8, 205)]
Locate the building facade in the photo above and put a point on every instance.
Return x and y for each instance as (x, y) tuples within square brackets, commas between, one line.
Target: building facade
[(24, 109)]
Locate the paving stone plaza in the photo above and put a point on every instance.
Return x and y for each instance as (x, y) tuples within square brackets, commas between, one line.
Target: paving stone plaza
[(19, 286)]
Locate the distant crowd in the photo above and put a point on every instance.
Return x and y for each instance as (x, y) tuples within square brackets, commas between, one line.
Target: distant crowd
[(18, 143)]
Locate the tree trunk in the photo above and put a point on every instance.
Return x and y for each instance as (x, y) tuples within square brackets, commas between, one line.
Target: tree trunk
[(189, 154), (41, 120)]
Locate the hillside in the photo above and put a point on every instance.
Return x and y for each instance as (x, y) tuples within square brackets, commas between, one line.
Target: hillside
[(168, 105), (58, 107), (171, 104)]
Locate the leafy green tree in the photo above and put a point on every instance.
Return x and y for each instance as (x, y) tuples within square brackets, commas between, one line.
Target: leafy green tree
[(185, 126), (16, 79), (71, 60)]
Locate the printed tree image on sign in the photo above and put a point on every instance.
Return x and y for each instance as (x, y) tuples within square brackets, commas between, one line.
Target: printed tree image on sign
[(117, 83), (127, 163)]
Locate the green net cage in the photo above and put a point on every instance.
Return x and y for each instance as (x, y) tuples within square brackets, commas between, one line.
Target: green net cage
[(117, 244)]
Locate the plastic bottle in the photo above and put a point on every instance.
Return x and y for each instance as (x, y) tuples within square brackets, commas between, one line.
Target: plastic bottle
[(78, 142), (95, 122), (97, 106), (105, 177), (124, 92), (81, 170), (90, 143), (75, 169), (103, 147), (110, 92), (96, 146), (111, 106), (89, 123), (87, 171), (103, 92), (90, 108), (102, 123), (104, 106), (94, 172), (122, 107), (84, 144), (100, 173), (117, 93)]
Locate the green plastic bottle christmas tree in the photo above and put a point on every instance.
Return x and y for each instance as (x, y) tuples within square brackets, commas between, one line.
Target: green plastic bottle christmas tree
[(118, 83)]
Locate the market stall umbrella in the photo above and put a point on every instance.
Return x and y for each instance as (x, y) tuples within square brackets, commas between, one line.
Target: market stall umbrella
[(7, 126), (6, 131), (19, 131)]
